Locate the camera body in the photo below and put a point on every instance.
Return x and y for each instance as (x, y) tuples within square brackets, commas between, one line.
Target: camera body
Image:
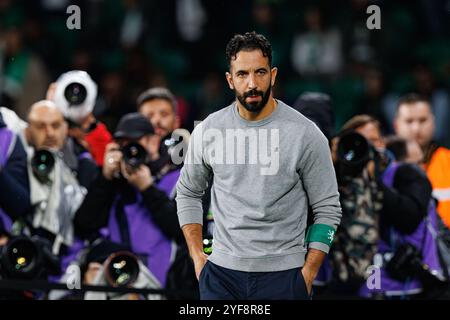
[(353, 153), (75, 95), (407, 264)]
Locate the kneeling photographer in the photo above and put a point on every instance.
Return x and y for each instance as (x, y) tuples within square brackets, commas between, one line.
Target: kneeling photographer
[(134, 203)]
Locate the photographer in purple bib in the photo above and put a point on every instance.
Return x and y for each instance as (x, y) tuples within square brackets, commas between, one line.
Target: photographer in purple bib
[(386, 248), (131, 203)]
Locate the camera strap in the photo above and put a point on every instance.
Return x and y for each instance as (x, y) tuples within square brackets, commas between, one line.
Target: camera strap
[(122, 222)]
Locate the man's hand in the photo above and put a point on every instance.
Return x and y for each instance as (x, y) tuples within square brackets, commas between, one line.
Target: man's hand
[(314, 260), (309, 277), (141, 178), (199, 263), (193, 234), (111, 164)]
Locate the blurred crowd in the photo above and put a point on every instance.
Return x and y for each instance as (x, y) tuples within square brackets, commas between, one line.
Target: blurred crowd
[(130, 45), (82, 186)]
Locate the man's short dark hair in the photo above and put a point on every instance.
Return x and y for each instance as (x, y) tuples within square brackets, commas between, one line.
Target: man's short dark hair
[(157, 93), (248, 42), (411, 98)]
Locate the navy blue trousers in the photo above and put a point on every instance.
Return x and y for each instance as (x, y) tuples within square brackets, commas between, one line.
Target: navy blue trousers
[(218, 283)]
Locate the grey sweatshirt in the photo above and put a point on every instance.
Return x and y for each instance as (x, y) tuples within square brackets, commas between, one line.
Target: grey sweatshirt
[(265, 173)]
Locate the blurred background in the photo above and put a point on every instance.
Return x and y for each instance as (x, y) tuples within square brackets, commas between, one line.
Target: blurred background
[(128, 46)]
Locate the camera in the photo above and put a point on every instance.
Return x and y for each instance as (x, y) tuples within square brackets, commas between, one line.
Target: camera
[(134, 154), (353, 153), (75, 95), (42, 164), (407, 264), (27, 258), (119, 268)]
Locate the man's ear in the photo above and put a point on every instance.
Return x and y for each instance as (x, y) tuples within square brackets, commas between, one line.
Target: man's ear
[(229, 80), (274, 72)]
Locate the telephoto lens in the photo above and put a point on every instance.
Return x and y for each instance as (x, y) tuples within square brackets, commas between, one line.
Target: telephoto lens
[(134, 154), (121, 269), (42, 164), (75, 93), (354, 152), (20, 259)]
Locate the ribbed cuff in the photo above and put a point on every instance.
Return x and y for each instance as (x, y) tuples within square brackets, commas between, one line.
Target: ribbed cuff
[(190, 217), (319, 246)]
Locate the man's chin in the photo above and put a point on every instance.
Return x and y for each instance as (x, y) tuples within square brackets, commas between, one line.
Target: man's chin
[(253, 108)]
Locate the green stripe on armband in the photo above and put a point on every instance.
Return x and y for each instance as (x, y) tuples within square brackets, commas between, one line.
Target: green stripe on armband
[(320, 233)]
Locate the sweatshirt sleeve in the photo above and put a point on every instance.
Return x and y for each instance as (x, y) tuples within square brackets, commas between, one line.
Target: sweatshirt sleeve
[(319, 180), (193, 181), (406, 204), (14, 185)]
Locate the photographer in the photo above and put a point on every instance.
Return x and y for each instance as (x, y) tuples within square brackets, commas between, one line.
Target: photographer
[(361, 200), (56, 191), (159, 106), (137, 208), (398, 203), (75, 93), (407, 250)]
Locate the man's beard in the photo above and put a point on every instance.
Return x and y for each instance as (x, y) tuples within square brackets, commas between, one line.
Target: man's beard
[(255, 106)]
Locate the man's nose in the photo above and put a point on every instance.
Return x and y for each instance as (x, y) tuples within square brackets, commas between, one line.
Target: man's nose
[(155, 120), (50, 131), (415, 127), (252, 81)]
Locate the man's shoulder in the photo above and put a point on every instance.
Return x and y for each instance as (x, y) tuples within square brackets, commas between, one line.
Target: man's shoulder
[(299, 125), (218, 117), (289, 114)]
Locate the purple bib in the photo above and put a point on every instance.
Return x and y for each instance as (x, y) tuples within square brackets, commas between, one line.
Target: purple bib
[(6, 137), (421, 238)]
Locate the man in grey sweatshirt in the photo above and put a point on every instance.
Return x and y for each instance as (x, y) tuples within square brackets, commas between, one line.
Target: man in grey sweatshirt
[(267, 163)]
